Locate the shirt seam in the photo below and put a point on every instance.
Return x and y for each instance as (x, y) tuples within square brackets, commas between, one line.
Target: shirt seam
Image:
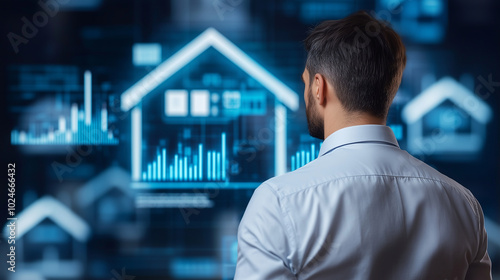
[(367, 175), (466, 194), (285, 213)]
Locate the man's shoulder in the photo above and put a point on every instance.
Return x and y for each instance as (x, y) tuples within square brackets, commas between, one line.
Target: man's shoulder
[(309, 175), (400, 165)]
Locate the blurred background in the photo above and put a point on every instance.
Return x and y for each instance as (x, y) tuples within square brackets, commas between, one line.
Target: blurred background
[(139, 129)]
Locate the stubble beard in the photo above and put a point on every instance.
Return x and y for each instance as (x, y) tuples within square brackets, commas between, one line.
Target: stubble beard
[(315, 123)]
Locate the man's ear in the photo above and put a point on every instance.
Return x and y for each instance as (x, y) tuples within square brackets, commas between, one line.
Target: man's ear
[(320, 89)]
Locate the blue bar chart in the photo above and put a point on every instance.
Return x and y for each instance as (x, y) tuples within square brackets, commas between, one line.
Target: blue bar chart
[(188, 164), (304, 156), (78, 127)]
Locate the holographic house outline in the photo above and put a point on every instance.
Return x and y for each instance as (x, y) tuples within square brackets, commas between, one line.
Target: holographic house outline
[(446, 143), (132, 97), (50, 266)]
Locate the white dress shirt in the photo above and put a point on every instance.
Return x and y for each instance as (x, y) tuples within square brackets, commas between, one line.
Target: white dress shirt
[(364, 209)]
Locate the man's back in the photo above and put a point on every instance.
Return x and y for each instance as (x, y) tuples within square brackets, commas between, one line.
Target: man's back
[(365, 209)]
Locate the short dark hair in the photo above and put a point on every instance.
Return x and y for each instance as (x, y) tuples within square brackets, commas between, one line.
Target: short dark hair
[(362, 57)]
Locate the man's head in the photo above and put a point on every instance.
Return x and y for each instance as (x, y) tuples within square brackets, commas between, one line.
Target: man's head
[(353, 71)]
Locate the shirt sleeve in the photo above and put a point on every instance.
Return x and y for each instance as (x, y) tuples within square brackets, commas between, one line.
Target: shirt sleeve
[(263, 244), (480, 268)]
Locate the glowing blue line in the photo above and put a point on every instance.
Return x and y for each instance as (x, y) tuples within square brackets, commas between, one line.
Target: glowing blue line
[(297, 157), (87, 88), (154, 171), (180, 170), (185, 168), (208, 166), (214, 169), (223, 156), (104, 119), (176, 167), (280, 139), (218, 166), (74, 117), (164, 155), (293, 163), (209, 37), (159, 166), (247, 64), (166, 69), (149, 172), (200, 161), (446, 88), (136, 132)]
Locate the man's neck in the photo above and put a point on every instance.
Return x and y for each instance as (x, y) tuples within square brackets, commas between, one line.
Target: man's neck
[(334, 123)]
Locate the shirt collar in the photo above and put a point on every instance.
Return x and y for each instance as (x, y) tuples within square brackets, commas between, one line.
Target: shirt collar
[(358, 133)]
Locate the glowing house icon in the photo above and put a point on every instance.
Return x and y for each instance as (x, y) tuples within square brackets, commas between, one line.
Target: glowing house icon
[(285, 97), (446, 118), (107, 202), (51, 239)]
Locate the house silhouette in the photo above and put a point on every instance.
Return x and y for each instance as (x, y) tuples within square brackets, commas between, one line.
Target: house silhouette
[(113, 177), (50, 265), (444, 140), (108, 203), (286, 98)]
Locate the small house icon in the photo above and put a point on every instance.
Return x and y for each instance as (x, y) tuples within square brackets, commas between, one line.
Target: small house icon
[(446, 119), (51, 240), (108, 203)]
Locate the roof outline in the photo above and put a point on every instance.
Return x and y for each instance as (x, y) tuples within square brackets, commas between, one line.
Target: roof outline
[(111, 178), (60, 214), (208, 38), (446, 88)]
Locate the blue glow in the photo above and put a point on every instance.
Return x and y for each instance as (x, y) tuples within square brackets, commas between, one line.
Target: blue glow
[(461, 138), (164, 155), (420, 21), (146, 54), (136, 143), (209, 164), (48, 234), (195, 268), (154, 171), (214, 167), (223, 149), (176, 167), (432, 7), (158, 164), (49, 207), (185, 168), (280, 135), (181, 173), (84, 129), (184, 161), (200, 161), (304, 156), (209, 38), (398, 131)]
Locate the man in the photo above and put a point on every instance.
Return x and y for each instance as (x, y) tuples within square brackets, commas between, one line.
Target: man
[(364, 209)]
